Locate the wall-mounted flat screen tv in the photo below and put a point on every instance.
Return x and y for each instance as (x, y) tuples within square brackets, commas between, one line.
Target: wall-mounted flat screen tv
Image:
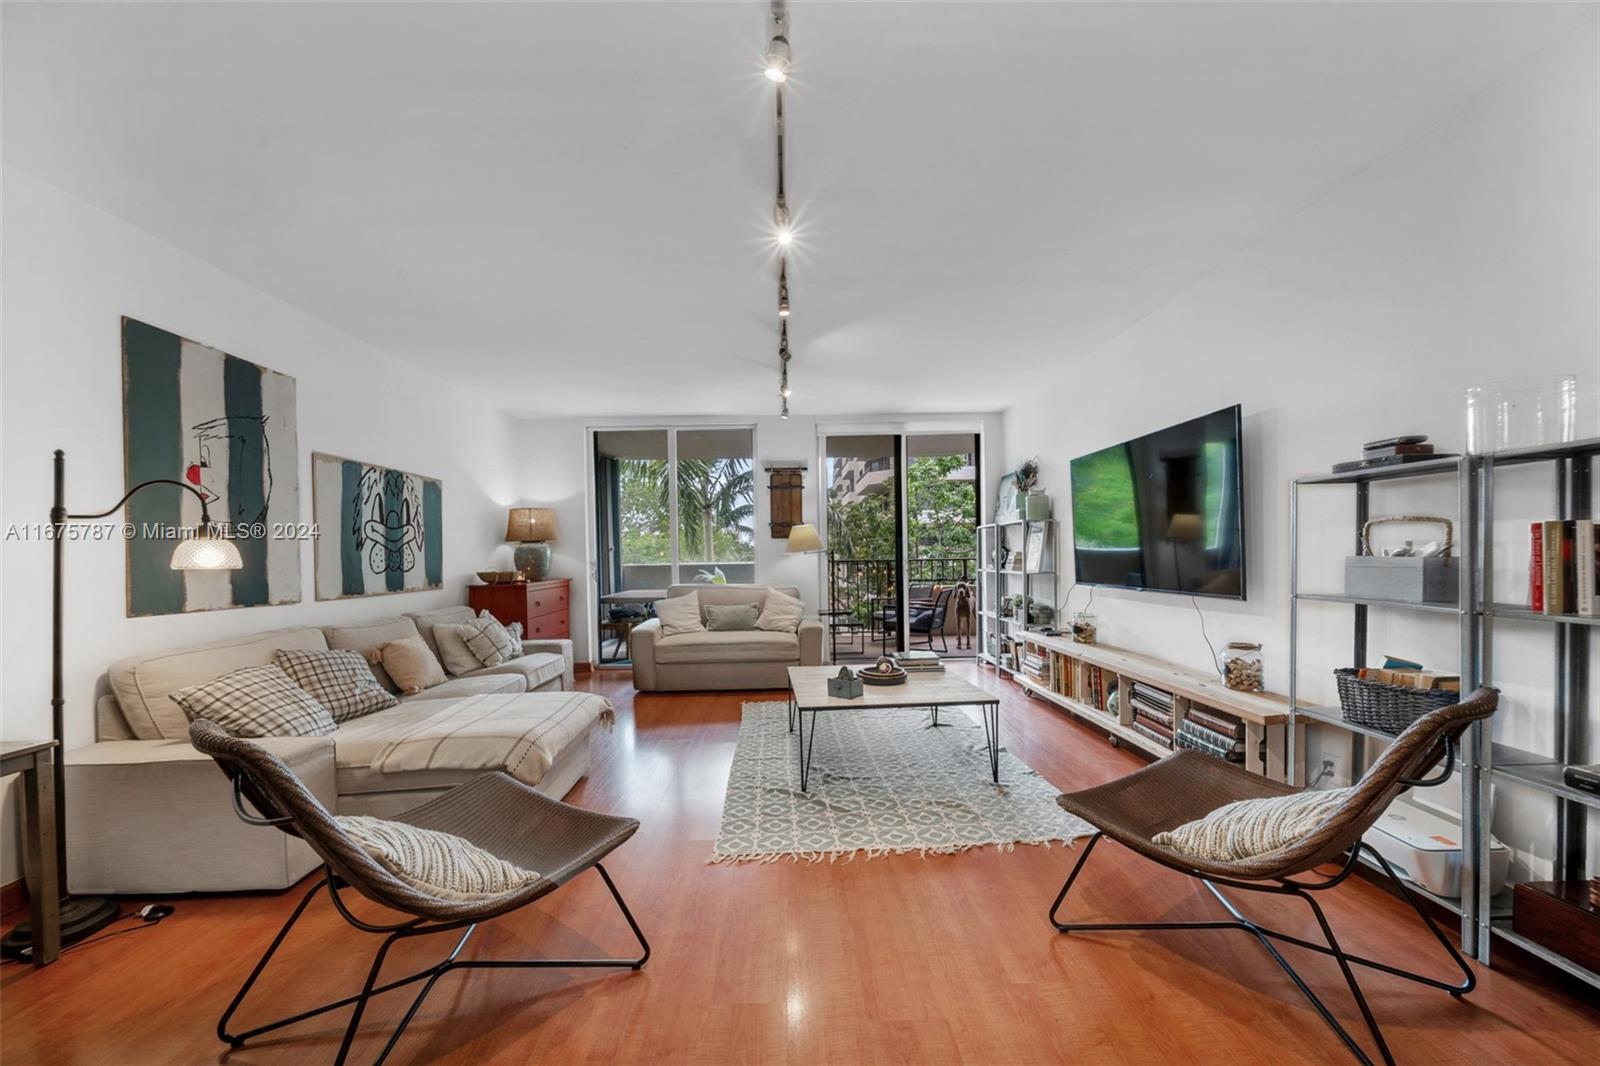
[(1164, 512)]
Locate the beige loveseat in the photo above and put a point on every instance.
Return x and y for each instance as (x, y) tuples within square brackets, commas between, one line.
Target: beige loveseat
[(147, 813), (706, 660)]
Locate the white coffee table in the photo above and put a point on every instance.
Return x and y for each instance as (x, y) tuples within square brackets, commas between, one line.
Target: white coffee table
[(808, 694)]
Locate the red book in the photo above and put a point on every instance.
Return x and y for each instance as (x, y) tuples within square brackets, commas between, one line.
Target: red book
[(1536, 570)]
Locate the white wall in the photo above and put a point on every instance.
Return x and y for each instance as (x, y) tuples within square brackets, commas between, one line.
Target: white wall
[(70, 273), (1466, 256), (555, 471)]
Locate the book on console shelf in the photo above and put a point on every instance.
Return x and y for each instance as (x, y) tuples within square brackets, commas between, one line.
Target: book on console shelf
[(1215, 721), (1229, 752), (1154, 696), (1152, 711), (1209, 739), (1154, 725), (1150, 731)]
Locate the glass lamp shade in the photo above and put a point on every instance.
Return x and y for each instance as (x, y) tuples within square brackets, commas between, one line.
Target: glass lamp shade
[(804, 538), (206, 551), (531, 525)]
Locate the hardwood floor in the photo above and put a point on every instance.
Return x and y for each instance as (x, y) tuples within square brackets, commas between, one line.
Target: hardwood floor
[(896, 959)]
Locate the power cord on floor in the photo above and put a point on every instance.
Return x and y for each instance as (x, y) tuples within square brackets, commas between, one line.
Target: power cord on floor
[(150, 914)]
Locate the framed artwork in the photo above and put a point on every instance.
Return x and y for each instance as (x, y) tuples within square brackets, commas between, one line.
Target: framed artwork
[(226, 426), (379, 530), (1005, 504), (1038, 541)]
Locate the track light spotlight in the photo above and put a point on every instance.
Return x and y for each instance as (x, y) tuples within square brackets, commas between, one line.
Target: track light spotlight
[(783, 289), (783, 412), (785, 225), (778, 59)]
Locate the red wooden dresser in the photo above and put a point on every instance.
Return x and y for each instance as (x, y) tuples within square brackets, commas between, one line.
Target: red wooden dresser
[(543, 607)]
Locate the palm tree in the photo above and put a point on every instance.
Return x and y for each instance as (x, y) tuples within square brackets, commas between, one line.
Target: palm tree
[(713, 495)]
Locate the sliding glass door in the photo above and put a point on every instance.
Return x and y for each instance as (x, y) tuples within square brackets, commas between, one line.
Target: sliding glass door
[(902, 563), (671, 506)]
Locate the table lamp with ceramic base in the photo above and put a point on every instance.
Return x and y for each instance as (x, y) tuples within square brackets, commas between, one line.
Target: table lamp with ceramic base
[(531, 529), (207, 549)]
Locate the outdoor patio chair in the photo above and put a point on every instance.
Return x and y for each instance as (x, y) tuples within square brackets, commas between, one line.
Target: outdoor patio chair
[(928, 620), (1187, 785), (494, 811)]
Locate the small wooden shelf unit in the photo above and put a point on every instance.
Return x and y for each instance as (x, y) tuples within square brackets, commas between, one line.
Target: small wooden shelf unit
[(1076, 677)]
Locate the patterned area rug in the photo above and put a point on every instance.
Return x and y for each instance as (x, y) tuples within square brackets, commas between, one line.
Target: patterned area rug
[(883, 782)]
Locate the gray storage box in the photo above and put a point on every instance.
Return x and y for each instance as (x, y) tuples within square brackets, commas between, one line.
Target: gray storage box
[(1403, 580), (1406, 578)]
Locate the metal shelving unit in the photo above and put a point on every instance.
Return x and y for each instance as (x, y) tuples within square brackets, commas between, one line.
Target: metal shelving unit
[(998, 581), (1485, 763), (1572, 467), (1463, 472)]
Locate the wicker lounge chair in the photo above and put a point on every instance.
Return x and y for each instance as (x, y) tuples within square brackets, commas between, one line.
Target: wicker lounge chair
[(1187, 785), (494, 811)]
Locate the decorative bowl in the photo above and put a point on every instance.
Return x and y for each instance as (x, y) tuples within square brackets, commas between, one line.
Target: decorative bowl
[(883, 673)]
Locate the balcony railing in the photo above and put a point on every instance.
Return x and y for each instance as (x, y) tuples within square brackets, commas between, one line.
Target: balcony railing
[(864, 587)]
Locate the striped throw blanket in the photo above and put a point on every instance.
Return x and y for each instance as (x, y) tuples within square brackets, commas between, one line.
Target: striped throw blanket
[(520, 733)]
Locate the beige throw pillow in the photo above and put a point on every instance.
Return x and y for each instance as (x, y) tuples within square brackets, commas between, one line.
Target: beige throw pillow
[(441, 864), (1246, 828), (409, 664), (680, 614), (453, 651), (782, 613)]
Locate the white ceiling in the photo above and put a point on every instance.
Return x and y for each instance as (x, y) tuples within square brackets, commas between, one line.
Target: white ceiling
[(570, 204)]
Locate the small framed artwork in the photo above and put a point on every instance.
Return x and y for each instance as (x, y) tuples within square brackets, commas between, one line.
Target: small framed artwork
[(1005, 504), (1038, 541)]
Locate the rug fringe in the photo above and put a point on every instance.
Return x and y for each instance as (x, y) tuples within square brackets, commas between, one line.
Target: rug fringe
[(849, 854)]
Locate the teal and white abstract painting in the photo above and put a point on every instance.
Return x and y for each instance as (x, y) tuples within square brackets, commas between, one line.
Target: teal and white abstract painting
[(225, 426), (378, 530)]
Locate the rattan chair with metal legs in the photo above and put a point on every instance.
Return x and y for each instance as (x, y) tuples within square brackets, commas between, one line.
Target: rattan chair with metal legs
[(494, 811), (1187, 785)]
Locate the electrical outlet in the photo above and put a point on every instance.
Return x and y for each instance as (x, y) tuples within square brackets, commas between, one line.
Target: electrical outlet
[(1333, 772)]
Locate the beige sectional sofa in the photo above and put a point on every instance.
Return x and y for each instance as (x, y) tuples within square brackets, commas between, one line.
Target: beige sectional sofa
[(147, 813), (752, 659)]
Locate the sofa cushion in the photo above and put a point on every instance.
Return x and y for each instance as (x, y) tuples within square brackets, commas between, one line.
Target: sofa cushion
[(731, 617), (257, 701), (754, 646), (782, 613), (409, 664), (680, 614), (442, 616), (142, 683), (456, 687), (490, 641), (339, 680), (451, 641), (536, 670), (369, 637), (421, 741)]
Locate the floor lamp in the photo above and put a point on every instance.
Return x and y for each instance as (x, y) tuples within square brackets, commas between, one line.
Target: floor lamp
[(207, 549)]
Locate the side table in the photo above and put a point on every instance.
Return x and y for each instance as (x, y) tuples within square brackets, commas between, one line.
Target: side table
[(35, 761)]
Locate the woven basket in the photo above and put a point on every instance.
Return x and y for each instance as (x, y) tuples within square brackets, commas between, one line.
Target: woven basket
[(1388, 708)]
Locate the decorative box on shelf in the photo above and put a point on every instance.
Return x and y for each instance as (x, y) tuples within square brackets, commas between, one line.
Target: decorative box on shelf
[(543, 607)]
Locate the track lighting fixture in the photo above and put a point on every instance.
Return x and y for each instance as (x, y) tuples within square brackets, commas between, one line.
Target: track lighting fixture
[(783, 412), (783, 288), (780, 219), (778, 59)]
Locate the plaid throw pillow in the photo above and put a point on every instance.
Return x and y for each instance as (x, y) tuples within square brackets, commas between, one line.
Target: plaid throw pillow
[(339, 680), (490, 641), (258, 701)]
